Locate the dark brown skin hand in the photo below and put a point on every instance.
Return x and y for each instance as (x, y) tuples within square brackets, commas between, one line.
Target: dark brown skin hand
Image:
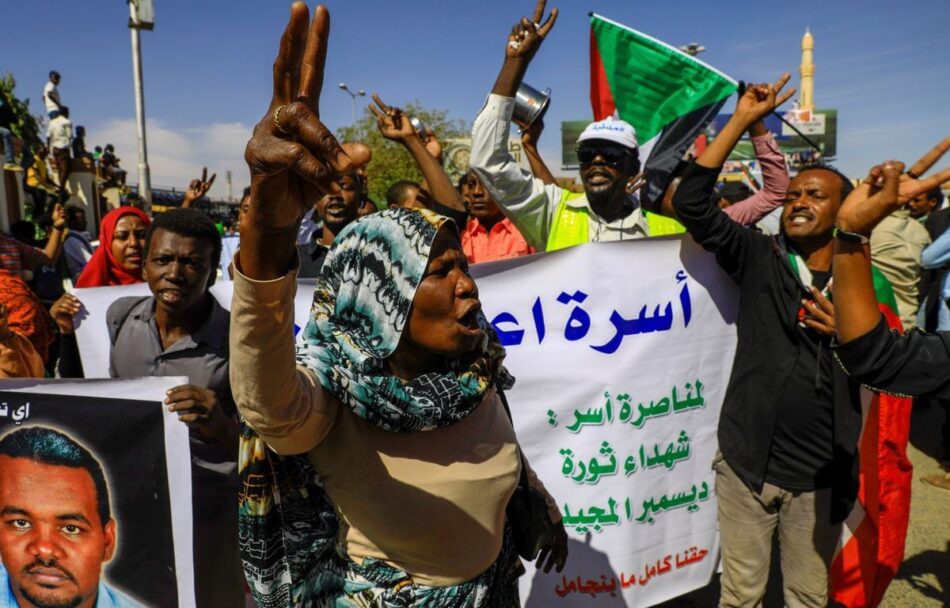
[(392, 123), (198, 188), (555, 555), (820, 313), (532, 135), (63, 310), (198, 408), (523, 42), (870, 203), (433, 145), (294, 159)]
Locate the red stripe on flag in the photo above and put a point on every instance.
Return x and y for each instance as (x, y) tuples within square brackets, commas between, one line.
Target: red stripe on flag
[(865, 566), (601, 100)]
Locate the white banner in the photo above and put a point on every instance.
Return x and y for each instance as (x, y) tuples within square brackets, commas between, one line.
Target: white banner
[(622, 352), (93, 336), (142, 556)]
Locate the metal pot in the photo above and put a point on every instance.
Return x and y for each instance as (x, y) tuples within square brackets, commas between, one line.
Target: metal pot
[(530, 104)]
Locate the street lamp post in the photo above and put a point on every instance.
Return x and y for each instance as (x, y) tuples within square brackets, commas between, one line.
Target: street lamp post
[(135, 25), (360, 93)]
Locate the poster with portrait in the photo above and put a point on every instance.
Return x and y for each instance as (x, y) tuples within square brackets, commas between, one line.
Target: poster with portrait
[(95, 495)]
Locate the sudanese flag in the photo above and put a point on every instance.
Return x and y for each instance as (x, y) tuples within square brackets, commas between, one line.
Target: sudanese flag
[(872, 538), (667, 95)]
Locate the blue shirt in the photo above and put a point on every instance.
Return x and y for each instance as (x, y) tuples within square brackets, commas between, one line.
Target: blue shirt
[(107, 597)]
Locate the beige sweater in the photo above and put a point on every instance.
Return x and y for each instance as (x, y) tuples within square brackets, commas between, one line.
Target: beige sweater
[(431, 503)]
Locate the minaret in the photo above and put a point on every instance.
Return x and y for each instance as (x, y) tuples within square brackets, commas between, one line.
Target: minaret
[(806, 97)]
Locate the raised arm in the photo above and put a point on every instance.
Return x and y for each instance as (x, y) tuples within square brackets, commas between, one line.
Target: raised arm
[(529, 141), (523, 42), (915, 363), (707, 224), (929, 159), (775, 179), (293, 158), (198, 188), (885, 190), (527, 201), (54, 244), (395, 126)]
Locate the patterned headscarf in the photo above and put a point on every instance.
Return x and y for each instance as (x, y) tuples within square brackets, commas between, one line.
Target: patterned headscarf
[(361, 307)]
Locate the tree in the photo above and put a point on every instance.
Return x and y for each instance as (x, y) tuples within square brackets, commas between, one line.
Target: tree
[(391, 162), (25, 126)]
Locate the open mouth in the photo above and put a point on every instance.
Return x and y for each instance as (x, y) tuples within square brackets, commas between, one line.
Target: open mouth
[(469, 321), (169, 295), (797, 219), (598, 179)]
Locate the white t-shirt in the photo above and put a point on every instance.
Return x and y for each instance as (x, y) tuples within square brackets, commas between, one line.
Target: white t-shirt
[(60, 132), (51, 97)]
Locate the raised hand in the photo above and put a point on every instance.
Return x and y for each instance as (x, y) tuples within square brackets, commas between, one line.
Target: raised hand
[(292, 156), (198, 188), (433, 145), (59, 216), (392, 123), (523, 42), (532, 134), (761, 99), (886, 189), (527, 35)]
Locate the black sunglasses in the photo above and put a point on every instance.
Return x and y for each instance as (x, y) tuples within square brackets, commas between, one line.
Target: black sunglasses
[(612, 157)]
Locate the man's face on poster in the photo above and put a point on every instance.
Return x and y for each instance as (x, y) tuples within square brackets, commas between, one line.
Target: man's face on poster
[(52, 542)]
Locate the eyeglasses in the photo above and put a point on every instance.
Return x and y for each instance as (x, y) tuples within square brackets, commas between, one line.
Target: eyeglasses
[(612, 157)]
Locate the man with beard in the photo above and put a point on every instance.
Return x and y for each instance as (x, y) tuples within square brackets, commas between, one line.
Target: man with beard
[(548, 216), (56, 527), (791, 418)]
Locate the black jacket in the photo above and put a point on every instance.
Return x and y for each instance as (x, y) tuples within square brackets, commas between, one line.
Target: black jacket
[(914, 364), (768, 343)]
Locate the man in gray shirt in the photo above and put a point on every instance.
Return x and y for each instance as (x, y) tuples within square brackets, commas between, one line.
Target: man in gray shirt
[(181, 330)]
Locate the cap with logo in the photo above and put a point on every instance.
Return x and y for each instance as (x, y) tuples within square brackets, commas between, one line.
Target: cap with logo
[(611, 129)]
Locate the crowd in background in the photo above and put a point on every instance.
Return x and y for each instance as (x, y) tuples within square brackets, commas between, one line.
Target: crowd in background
[(500, 210)]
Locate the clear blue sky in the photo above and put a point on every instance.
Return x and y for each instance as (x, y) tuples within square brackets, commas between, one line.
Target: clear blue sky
[(884, 65)]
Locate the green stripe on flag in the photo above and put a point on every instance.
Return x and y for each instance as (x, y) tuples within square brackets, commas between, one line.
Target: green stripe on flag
[(652, 83), (884, 291)]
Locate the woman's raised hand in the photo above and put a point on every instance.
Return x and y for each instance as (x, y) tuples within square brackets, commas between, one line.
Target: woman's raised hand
[(292, 156)]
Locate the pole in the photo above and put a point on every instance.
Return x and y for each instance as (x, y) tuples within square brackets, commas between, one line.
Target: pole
[(145, 182)]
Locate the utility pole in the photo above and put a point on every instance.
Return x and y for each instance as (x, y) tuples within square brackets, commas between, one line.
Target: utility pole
[(136, 10)]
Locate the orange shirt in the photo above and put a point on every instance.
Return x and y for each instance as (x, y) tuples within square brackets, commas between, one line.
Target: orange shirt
[(503, 241)]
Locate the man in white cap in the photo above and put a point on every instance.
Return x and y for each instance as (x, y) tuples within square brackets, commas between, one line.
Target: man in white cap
[(549, 216)]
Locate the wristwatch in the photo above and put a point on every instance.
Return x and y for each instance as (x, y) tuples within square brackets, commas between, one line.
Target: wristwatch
[(851, 237)]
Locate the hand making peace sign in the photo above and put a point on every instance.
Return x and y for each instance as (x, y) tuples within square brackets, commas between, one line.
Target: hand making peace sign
[(292, 156)]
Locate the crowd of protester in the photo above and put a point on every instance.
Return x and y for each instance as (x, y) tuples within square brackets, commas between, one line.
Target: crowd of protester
[(786, 460)]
